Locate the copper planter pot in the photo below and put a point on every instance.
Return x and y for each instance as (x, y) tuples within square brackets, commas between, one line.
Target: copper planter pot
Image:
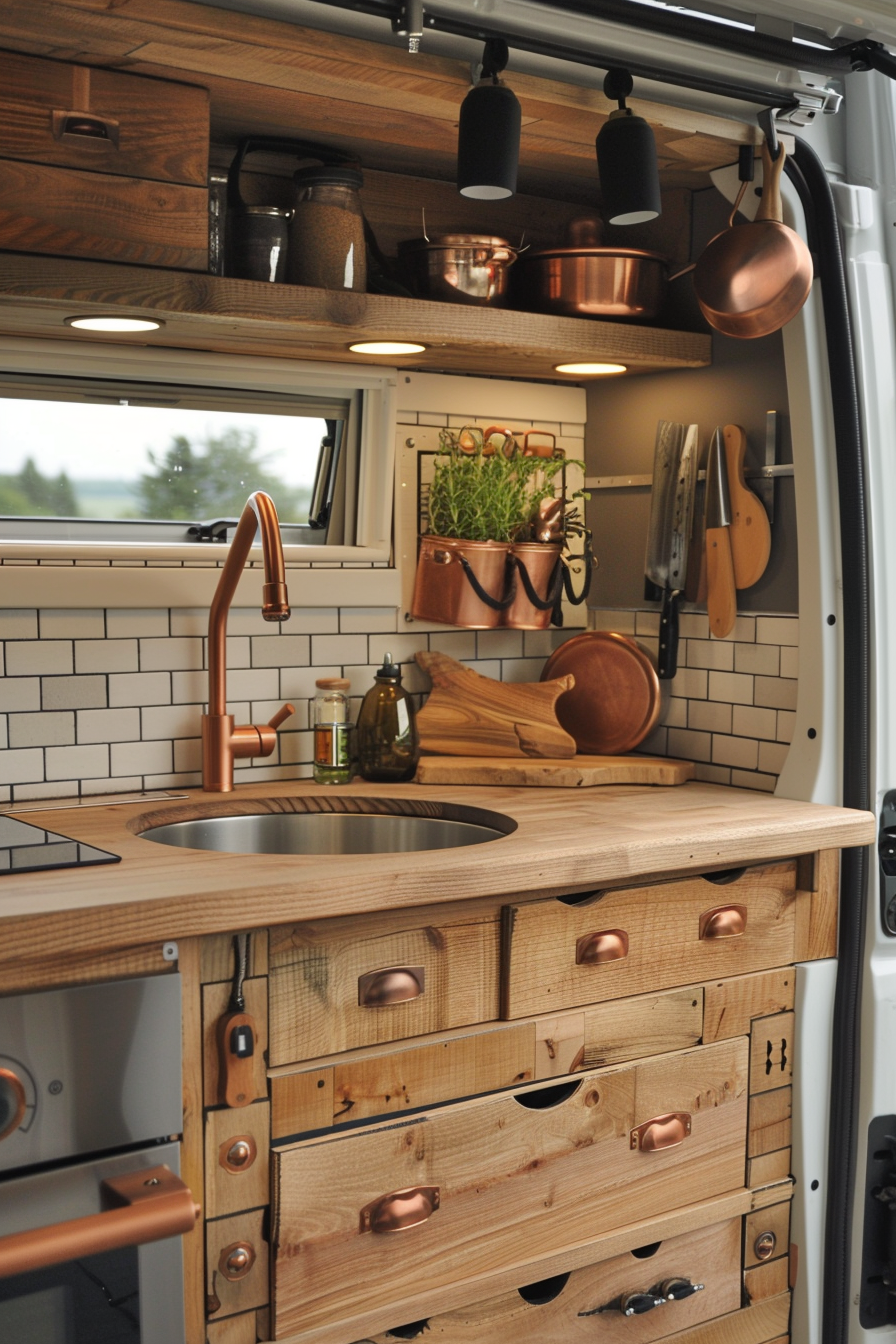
[(540, 560), (442, 589)]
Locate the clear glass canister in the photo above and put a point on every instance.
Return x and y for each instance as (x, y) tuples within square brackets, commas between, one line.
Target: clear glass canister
[(388, 742), (332, 760), (326, 237)]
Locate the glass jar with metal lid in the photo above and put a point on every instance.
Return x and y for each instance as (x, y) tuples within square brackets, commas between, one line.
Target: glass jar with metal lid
[(257, 242)]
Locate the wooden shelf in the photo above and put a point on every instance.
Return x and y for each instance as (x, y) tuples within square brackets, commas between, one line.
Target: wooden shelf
[(208, 312)]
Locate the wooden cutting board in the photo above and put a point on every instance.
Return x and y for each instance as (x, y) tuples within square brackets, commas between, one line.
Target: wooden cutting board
[(579, 772)]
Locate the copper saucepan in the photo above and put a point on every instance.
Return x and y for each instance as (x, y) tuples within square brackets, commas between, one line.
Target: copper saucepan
[(753, 278)]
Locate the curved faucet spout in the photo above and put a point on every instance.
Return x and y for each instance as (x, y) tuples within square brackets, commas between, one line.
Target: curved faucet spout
[(221, 742)]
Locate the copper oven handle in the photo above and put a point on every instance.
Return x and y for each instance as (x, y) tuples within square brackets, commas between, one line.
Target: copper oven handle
[(608, 945), (392, 984), (151, 1203), (663, 1131), (400, 1209), (724, 921), (14, 1083)]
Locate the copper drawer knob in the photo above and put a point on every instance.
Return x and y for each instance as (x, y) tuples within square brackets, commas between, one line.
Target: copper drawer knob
[(608, 945), (236, 1260), (764, 1245), (400, 1209), (393, 984), (237, 1154), (664, 1131), (725, 921)]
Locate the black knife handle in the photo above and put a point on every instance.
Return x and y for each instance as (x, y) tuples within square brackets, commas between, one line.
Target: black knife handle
[(667, 659)]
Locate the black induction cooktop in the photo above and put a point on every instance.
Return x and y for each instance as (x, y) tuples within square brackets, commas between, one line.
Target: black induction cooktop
[(31, 849)]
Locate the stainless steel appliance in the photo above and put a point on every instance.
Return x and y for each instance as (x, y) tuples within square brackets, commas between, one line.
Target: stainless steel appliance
[(92, 1208)]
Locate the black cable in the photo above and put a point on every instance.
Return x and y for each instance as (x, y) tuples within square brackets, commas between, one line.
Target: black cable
[(808, 175)]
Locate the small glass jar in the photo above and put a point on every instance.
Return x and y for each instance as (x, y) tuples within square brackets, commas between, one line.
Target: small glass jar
[(332, 759), (327, 249), (388, 742)]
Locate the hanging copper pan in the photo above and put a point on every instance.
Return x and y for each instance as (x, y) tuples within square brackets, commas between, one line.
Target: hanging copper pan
[(753, 278)]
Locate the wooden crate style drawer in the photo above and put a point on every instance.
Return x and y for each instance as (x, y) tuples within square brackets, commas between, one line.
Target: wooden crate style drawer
[(492, 1183), (558, 955), (103, 121), (589, 1304), (346, 983)]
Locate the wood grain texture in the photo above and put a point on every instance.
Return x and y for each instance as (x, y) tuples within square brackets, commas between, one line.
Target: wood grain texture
[(768, 1169), (710, 1256), (228, 1191), (86, 967), (467, 714), (771, 1052), (71, 213), (315, 969), (768, 1280), (509, 1177), (646, 1024), (301, 1101), (579, 772), (215, 999), (192, 1164), (233, 1330), (763, 1197), (721, 596), (246, 1293), (540, 938), (732, 1004), (750, 533), (762, 1323), (566, 840), (775, 1219), (770, 1121), (218, 956), (817, 906)]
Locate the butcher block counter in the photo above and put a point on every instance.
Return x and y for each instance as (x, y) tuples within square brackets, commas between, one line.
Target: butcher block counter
[(564, 840)]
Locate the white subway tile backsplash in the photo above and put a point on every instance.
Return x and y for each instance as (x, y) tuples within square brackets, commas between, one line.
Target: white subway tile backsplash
[(709, 716), (759, 659), (520, 669), (15, 624), (458, 644), (775, 693), (120, 784), (790, 662), (748, 721), (297, 683), (786, 725), (73, 692), (711, 653), (170, 655), (280, 650), (712, 774), (168, 721), (139, 688), (339, 650), (777, 630), (4, 732), (19, 694), (193, 621), (732, 687), (742, 752), (187, 754), (108, 725), (40, 658), (20, 767), (313, 621), (191, 688), (67, 788), (42, 730), (499, 644), (79, 762), (676, 715), (253, 683), (137, 623), (368, 620), (690, 746), (72, 624), (141, 758), (106, 655), (772, 756), (690, 683), (623, 622), (693, 625)]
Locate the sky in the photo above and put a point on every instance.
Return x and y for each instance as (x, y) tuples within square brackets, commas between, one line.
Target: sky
[(110, 442)]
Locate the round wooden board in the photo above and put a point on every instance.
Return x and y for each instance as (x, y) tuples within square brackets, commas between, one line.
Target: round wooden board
[(616, 700)]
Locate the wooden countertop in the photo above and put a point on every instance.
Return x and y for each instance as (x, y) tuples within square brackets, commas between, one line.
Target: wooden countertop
[(565, 840)]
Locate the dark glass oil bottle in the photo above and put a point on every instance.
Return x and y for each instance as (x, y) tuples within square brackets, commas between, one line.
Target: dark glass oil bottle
[(387, 741)]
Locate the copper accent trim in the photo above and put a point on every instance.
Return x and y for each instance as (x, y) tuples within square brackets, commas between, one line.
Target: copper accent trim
[(237, 1154), (14, 1083), (236, 1260), (663, 1131), (764, 1245), (393, 984), (723, 921), (401, 1209), (148, 1205), (607, 945), (221, 742)]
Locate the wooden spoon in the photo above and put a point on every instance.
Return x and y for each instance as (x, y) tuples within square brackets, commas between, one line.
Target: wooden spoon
[(751, 535)]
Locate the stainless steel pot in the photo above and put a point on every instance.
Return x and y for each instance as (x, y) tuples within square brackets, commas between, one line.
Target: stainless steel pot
[(458, 267), (591, 282)]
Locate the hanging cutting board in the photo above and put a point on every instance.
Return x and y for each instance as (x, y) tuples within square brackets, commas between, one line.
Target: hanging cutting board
[(580, 772), (751, 535), (471, 715)]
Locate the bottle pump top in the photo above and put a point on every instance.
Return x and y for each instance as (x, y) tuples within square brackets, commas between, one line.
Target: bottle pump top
[(389, 671)]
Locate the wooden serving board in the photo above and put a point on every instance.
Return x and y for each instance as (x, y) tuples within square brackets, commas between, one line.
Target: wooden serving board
[(578, 772)]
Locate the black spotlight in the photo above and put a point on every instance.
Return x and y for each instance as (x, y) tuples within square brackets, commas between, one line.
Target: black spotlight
[(626, 159), (488, 139)]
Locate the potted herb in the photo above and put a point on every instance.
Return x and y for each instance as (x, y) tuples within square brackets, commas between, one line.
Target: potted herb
[(497, 530)]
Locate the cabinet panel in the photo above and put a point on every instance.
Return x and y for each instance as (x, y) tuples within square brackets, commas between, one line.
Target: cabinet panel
[(557, 955), (506, 1178), (320, 972)]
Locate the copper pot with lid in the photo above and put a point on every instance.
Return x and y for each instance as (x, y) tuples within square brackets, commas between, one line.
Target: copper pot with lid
[(459, 267), (582, 278)]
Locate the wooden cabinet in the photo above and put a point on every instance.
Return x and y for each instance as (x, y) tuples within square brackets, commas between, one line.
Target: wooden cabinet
[(526, 1169)]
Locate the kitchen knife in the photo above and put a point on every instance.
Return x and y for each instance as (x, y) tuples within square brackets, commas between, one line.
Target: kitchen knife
[(751, 536), (721, 597), (669, 531)]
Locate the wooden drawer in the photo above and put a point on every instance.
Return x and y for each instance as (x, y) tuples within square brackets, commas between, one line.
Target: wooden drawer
[(329, 990), (148, 128), (589, 1304), (558, 955), (495, 1182)]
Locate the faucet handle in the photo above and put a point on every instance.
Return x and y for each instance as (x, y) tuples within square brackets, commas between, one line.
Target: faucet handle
[(281, 716)]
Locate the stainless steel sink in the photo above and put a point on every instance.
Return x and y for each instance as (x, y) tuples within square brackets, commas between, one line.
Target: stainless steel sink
[(337, 831)]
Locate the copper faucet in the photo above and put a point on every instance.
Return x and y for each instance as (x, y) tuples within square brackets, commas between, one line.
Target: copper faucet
[(221, 741)]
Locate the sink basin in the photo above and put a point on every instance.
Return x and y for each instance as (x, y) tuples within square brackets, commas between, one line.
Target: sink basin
[(400, 826)]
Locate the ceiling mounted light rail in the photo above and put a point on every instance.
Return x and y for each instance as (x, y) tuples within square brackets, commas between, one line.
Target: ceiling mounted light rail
[(488, 135), (626, 159)]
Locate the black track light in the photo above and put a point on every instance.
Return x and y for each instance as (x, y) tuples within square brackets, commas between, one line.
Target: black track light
[(626, 159), (488, 140)]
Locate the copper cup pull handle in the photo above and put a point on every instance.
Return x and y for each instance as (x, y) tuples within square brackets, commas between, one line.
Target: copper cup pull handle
[(608, 945), (151, 1204), (401, 1209), (392, 984), (85, 128), (724, 921), (663, 1131), (13, 1084)]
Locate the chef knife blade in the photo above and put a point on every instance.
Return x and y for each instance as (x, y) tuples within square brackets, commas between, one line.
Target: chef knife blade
[(721, 595), (672, 501)]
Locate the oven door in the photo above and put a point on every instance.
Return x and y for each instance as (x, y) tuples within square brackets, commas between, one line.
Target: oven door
[(122, 1293)]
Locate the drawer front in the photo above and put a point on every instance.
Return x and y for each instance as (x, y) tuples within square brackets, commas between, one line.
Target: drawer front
[(69, 213), (128, 125), (589, 1304), (346, 983), (491, 1183), (646, 938)]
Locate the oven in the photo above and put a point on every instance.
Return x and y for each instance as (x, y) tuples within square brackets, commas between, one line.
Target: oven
[(92, 1208)]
